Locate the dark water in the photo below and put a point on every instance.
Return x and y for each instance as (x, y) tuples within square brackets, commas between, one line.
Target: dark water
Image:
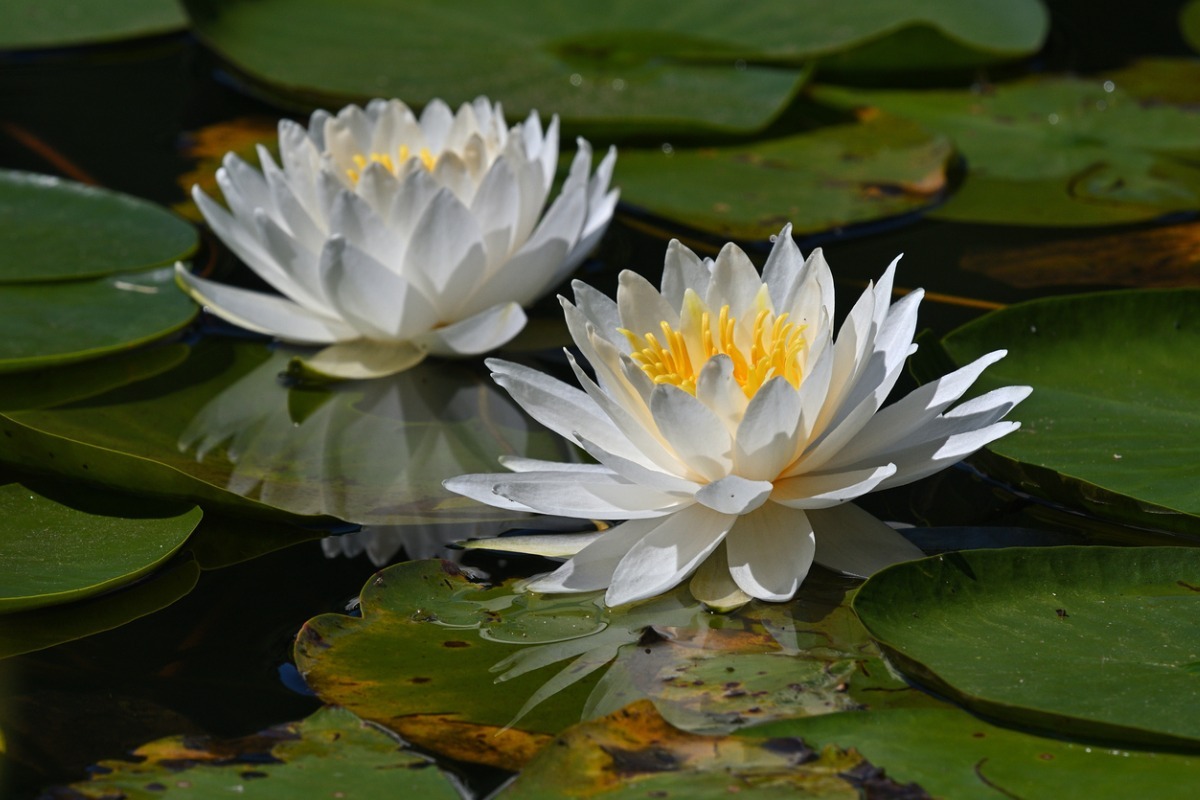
[(218, 660)]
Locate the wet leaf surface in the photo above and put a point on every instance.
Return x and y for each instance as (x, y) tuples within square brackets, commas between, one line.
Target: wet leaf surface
[(832, 177), (635, 753), (1111, 424), (331, 754), (53, 229), (1056, 151), (57, 546), (28, 24), (954, 755), (1095, 642)]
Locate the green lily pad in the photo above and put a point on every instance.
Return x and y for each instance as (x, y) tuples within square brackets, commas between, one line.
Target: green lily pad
[(1111, 424), (50, 324), (430, 640), (64, 545), (950, 753), (49, 626), (634, 753), (1056, 151), (53, 229), (27, 24), (224, 430), (1189, 23), (1096, 642), (331, 754), (832, 177), (54, 386)]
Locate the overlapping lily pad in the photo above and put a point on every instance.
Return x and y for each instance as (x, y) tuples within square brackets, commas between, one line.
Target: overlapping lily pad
[(1112, 423), (46, 325), (832, 177), (1099, 642), (223, 428), (518, 668), (331, 754), (634, 753), (27, 24), (950, 753), (1189, 23), (612, 67), (59, 546), (1057, 151), (53, 229)]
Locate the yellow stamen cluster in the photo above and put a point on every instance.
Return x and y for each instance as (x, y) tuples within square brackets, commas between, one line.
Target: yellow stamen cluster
[(403, 156), (775, 347)]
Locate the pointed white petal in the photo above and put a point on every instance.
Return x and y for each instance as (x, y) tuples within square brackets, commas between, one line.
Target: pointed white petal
[(734, 494), (592, 568), (668, 554), (487, 330), (852, 541), (698, 439), (643, 310), (364, 359), (770, 552), (829, 489), (767, 439), (682, 270), (714, 586), (783, 270), (547, 545), (735, 282)]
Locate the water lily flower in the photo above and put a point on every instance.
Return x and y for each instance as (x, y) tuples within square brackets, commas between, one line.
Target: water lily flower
[(392, 238), (732, 430)]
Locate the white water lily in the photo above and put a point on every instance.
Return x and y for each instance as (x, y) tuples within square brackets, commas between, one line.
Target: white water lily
[(392, 238), (732, 430)]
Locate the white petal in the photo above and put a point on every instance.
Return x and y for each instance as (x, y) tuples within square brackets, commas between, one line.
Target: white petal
[(485, 331), (264, 313), (642, 308), (829, 489), (668, 554), (771, 552), (495, 207), (581, 495), (714, 586), (735, 282), (364, 359), (852, 541), (446, 247), (547, 545), (601, 311), (734, 494), (636, 472), (523, 464), (372, 297), (768, 437), (698, 439), (783, 270), (719, 390), (592, 568), (682, 270)]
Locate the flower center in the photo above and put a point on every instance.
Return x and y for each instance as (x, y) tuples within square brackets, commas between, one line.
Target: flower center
[(773, 349), (403, 156)]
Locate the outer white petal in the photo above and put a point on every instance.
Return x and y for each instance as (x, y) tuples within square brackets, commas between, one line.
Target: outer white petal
[(547, 545), (447, 248), (695, 435), (636, 472), (770, 552), (735, 282), (364, 359), (682, 270), (768, 436), (601, 311), (584, 496), (668, 554), (264, 313), (733, 494), (592, 567), (485, 331), (829, 489), (714, 586), (783, 270), (374, 299), (642, 308), (852, 541)]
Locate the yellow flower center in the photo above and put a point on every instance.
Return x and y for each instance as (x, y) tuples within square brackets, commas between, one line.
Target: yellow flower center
[(403, 156), (774, 350)]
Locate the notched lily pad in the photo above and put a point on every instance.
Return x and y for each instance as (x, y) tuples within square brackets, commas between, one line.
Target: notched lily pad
[(1055, 150), (1095, 642), (53, 229), (634, 753), (1111, 424), (950, 753), (331, 754), (834, 176), (62, 545)]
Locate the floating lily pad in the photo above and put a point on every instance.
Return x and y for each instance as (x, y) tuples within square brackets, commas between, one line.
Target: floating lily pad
[(331, 754), (53, 229), (634, 753), (1056, 151), (1189, 24), (54, 386), (1096, 642), (223, 429), (950, 753), (59, 546), (50, 324), (26, 24), (40, 628), (429, 640), (832, 177), (1112, 423)]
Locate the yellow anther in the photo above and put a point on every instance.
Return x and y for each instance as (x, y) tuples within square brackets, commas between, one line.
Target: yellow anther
[(403, 156), (775, 347)]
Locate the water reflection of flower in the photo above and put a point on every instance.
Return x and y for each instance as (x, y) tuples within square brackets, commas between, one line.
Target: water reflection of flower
[(367, 452), (732, 430), (391, 237)]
